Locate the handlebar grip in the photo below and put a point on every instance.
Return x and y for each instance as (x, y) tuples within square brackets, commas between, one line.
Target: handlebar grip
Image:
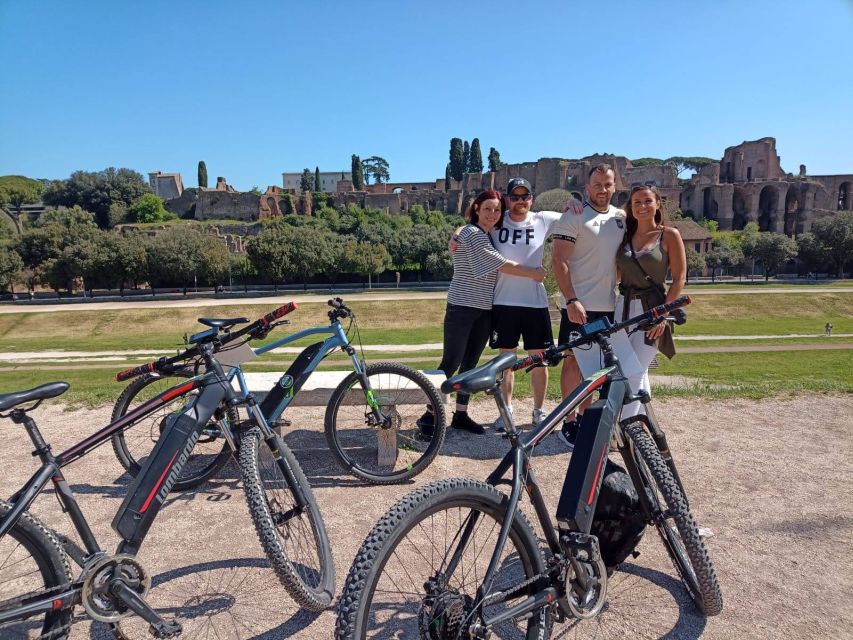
[(663, 309), (529, 361), (278, 313), (337, 303), (127, 374)]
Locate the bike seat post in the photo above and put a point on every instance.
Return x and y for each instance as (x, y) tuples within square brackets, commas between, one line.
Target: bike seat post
[(42, 449), (503, 408)]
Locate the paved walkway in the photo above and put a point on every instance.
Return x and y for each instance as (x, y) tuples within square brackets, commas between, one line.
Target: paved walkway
[(273, 300)]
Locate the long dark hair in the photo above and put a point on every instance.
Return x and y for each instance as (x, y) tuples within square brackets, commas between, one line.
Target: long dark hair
[(631, 222), (489, 194)]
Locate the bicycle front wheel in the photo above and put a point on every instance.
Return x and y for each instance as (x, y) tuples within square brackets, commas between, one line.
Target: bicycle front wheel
[(134, 444), (418, 571), (293, 537), (675, 523), (397, 450), (32, 565)]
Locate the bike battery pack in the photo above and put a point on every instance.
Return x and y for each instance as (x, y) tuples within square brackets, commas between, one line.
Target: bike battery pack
[(579, 495), (292, 380), (149, 490)]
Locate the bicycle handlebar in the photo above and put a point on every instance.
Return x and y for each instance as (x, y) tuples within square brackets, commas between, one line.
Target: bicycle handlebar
[(256, 329), (599, 329)]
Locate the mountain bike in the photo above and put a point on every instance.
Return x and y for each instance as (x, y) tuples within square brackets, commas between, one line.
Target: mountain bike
[(37, 591), (458, 559), (370, 422)]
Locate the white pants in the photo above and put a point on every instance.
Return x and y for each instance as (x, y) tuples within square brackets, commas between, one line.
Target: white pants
[(643, 353), (589, 361)]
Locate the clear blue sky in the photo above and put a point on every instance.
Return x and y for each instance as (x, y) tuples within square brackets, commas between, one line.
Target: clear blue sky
[(258, 88)]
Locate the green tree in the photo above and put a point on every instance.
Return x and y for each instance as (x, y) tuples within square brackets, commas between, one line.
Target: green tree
[(440, 265), (149, 208), (457, 159), (202, 174), (693, 163), (317, 185), (317, 251), (357, 173), (494, 160), (184, 256), (475, 159), (269, 255), (695, 262), (306, 183), (96, 191), (10, 267), (364, 259), (645, 162), (376, 167), (773, 250), (15, 192), (447, 177), (813, 255), (256, 191), (466, 156), (835, 234), (551, 200)]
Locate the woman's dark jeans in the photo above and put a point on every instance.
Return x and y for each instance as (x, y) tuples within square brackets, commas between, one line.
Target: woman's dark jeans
[(466, 331)]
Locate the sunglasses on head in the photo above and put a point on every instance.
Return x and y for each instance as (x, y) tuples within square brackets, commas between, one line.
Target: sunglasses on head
[(515, 198), (636, 186)]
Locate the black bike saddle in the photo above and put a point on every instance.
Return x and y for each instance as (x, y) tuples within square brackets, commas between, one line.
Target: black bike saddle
[(222, 323), (481, 378), (50, 390)]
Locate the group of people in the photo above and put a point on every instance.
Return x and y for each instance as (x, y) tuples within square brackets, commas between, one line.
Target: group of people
[(497, 293)]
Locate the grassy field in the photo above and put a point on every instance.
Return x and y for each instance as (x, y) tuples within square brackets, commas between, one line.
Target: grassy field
[(753, 374)]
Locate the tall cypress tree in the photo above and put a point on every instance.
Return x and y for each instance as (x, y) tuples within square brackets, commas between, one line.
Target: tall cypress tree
[(494, 159), (306, 181), (457, 164), (202, 174), (357, 173), (475, 160), (447, 177), (466, 156), (317, 187)]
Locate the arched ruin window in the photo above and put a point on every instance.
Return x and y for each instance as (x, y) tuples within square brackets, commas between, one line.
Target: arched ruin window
[(768, 200), (844, 197)]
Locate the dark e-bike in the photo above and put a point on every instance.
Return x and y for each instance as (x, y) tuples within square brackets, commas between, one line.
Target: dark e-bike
[(37, 590), (458, 559)]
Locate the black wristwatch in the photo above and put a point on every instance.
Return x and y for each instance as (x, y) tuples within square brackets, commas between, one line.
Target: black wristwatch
[(571, 300)]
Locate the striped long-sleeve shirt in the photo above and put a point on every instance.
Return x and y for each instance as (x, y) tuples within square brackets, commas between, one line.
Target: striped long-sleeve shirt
[(475, 269)]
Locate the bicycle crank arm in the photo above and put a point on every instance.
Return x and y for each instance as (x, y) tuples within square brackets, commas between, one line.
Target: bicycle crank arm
[(534, 602), (159, 627)]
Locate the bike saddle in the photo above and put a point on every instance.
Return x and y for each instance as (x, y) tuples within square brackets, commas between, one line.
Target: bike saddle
[(50, 390), (481, 378), (222, 323)]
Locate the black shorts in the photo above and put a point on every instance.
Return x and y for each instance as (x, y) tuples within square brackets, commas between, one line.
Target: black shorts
[(532, 324), (567, 327)]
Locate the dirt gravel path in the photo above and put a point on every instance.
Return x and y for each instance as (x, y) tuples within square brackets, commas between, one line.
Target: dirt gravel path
[(770, 477)]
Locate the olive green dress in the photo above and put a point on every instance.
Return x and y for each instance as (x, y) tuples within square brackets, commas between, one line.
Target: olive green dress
[(646, 282)]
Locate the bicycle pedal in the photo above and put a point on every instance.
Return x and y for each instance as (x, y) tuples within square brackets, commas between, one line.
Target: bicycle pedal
[(166, 629)]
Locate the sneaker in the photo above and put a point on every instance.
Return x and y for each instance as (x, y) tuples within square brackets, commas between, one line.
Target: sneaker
[(426, 424), (569, 432), (538, 416), (461, 420), (499, 425)]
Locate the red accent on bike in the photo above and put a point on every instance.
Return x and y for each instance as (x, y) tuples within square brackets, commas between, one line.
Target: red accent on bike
[(595, 480), (549, 599), (157, 486), (57, 604), (177, 391), (457, 386), (57, 479), (278, 313)]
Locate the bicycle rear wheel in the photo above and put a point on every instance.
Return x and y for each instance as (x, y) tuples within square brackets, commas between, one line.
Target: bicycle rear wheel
[(675, 523), (294, 538), (399, 450), (400, 584), (134, 444), (32, 565)]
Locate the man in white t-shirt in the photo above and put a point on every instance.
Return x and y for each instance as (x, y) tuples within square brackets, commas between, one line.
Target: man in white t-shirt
[(584, 260), (520, 307)]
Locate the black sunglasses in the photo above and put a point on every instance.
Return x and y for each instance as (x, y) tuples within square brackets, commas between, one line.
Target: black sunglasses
[(515, 198)]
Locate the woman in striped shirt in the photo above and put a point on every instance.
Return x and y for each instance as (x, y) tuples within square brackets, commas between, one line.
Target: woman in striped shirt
[(467, 320)]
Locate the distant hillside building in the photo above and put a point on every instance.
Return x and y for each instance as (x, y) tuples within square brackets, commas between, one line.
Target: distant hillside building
[(328, 180), (166, 185)]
